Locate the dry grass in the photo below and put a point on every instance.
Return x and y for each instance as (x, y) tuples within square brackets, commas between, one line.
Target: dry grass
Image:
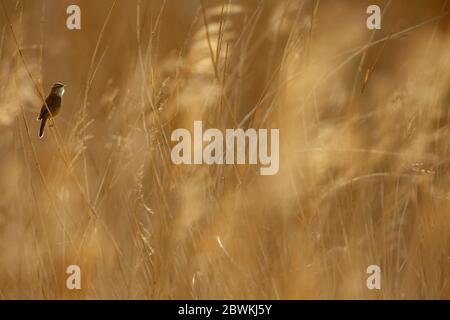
[(364, 170)]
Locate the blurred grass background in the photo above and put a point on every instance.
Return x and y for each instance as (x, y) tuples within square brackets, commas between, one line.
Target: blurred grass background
[(364, 164)]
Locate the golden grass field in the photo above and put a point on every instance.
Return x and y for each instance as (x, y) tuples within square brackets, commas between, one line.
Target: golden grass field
[(364, 150)]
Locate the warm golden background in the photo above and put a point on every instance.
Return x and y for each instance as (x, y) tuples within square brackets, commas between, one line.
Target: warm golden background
[(364, 165)]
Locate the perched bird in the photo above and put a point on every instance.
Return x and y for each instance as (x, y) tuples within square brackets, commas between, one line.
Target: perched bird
[(53, 102)]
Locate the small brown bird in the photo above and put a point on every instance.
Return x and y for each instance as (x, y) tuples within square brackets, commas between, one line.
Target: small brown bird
[(53, 102)]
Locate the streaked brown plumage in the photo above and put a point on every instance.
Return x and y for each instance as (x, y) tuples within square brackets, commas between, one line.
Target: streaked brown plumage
[(53, 102)]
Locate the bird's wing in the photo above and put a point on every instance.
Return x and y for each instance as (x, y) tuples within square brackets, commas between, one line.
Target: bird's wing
[(52, 100), (44, 110)]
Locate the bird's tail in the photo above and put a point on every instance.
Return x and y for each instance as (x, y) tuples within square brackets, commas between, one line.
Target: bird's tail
[(41, 130)]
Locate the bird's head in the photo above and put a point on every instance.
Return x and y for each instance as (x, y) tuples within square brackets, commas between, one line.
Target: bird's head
[(58, 88)]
